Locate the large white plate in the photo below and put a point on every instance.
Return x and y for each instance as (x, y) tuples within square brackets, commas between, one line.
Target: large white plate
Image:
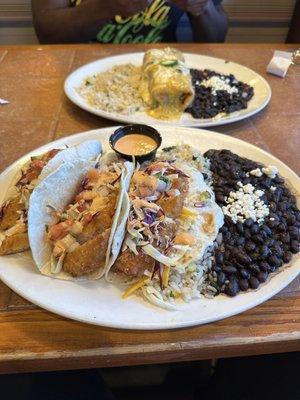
[(262, 90), (100, 303)]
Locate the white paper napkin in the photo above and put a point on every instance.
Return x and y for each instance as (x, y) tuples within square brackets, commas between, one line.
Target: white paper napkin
[(280, 63)]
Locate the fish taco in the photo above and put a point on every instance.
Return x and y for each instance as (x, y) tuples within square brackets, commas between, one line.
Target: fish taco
[(173, 220), (74, 217), (13, 211)]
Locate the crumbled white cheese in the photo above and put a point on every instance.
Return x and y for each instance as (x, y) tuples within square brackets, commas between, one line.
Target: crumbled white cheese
[(246, 203), (273, 188), (256, 172), (217, 83), (270, 171)]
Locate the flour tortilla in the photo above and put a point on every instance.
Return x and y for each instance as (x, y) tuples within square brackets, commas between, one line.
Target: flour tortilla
[(119, 225), (57, 190), (88, 150)]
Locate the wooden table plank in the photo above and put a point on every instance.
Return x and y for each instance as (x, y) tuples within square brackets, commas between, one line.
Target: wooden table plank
[(44, 341), (33, 339)]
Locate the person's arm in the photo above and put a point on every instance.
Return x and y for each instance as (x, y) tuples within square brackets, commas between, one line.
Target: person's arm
[(209, 21), (56, 22), (211, 25)]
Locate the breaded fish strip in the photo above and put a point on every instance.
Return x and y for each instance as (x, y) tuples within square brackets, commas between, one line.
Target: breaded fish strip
[(87, 257), (10, 213), (172, 206), (14, 244), (133, 265)]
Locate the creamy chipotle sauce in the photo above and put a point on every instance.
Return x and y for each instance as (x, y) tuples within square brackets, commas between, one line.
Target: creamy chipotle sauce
[(135, 144)]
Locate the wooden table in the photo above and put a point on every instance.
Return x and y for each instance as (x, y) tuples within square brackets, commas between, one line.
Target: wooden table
[(31, 339)]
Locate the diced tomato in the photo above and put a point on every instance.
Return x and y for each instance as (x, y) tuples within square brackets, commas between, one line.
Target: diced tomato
[(37, 164), (31, 175), (86, 195), (59, 230), (87, 218), (81, 205), (51, 154), (93, 175)]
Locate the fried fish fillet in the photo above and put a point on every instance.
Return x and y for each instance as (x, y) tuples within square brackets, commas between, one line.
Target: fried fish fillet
[(88, 257), (133, 265), (14, 243)]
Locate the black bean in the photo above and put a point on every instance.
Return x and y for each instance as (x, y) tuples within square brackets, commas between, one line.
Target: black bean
[(264, 235), (224, 229), (231, 278), (285, 237), (291, 219), (254, 229), (294, 232), (242, 258), (219, 257), (277, 194), (232, 289), (244, 284), (254, 268), (255, 256), (248, 223), (247, 234), (258, 239), (287, 256), (274, 261), (264, 251), (226, 235), (254, 282), (244, 273), (240, 241), (270, 242), (250, 246), (294, 246), (221, 278), (227, 255), (264, 266), (277, 250), (239, 227), (267, 230), (267, 183), (281, 227), (282, 206), (229, 269), (232, 229), (217, 268), (272, 223), (220, 198), (262, 276)]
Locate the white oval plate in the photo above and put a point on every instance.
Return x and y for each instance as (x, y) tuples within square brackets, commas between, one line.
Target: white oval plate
[(100, 303), (262, 90)]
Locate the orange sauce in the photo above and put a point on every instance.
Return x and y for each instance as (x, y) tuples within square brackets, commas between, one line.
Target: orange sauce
[(135, 144)]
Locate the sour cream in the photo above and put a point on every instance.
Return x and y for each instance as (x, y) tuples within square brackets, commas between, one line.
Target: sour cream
[(135, 144)]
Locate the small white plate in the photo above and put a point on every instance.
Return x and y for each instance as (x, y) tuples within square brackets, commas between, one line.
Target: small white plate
[(262, 90), (100, 303)]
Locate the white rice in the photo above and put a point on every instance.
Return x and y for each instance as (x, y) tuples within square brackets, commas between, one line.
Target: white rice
[(115, 90)]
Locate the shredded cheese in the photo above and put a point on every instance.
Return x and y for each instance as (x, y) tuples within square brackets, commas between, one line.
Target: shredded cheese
[(135, 287)]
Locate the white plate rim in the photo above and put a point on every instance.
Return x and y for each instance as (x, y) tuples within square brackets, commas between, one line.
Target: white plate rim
[(294, 269), (237, 116)]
